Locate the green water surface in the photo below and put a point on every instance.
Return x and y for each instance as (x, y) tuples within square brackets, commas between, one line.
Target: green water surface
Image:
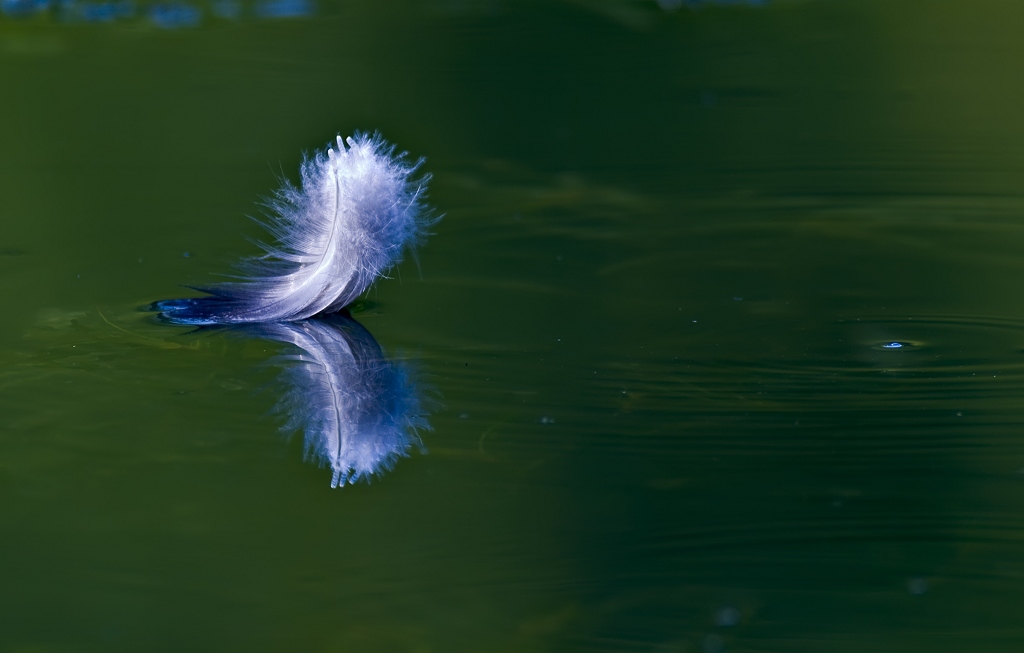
[(652, 328)]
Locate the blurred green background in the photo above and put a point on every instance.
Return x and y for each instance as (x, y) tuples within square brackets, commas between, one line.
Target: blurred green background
[(677, 237)]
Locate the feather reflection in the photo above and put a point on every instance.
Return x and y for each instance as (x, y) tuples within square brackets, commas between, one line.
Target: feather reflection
[(358, 411)]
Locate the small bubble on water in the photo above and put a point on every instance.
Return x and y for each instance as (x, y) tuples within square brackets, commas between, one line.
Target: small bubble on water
[(463, 415), (547, 420), (727, 616), (896, 344), (917, 586)]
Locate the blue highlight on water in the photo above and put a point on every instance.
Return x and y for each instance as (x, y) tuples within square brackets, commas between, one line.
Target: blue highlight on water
[(23, 7), (164, 15), (175, 15), (284, 8)]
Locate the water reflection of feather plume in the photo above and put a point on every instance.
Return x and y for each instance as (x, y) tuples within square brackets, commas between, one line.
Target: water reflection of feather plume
[(359, 412)]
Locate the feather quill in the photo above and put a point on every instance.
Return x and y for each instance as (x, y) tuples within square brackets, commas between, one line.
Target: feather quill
[(358, 411), (357, 210)]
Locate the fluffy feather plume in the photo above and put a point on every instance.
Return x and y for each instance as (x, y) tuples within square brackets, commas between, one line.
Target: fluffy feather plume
[(359, 412), (357, 210)]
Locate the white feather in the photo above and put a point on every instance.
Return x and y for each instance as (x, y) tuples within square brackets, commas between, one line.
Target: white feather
[(356, 212)]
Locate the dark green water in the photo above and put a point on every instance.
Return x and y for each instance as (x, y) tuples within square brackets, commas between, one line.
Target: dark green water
[(651, 322)]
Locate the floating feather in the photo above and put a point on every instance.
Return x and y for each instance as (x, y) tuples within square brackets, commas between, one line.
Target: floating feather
[(359, 412), (357, 210)]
